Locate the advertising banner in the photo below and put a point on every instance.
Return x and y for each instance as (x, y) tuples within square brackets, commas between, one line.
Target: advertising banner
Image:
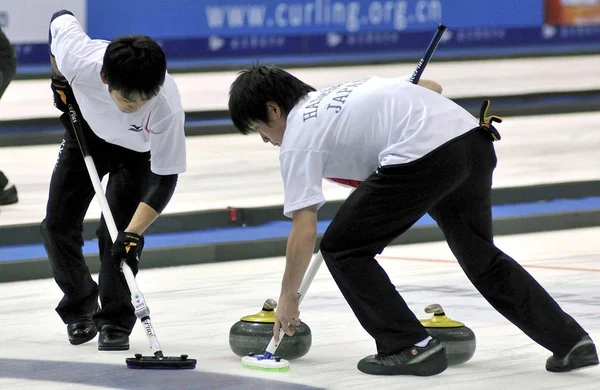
[(232, 28), (216, 31)]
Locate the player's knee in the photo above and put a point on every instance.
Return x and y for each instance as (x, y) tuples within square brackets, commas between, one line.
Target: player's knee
[(102, 232), (43, 228), (483, 268), (50, 228), (47, 228), (329, 246)]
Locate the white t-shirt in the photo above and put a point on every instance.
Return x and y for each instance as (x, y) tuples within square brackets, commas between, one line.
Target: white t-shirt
[(157, 127), (348, 130)]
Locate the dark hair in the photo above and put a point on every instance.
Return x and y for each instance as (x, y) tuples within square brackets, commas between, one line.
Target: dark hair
[(257, 85), (134, 64)]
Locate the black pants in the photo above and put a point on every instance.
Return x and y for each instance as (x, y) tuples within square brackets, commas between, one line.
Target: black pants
[(71, 192), (8, 62), (452, 184)]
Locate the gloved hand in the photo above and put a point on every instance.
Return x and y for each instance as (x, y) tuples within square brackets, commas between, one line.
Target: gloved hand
[(127, 247), (487, 122), (61, 89)]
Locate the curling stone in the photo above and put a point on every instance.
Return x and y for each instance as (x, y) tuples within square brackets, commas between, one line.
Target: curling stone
[(458, 339), (252, 334)]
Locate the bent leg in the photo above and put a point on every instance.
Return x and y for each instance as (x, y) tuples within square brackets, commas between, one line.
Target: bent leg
[(70, 194), (465, 218), (124, 192), (385, 205)]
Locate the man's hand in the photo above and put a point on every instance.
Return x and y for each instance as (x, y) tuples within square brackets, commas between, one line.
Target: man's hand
[(286, 316), (61, 89), (127, 247)]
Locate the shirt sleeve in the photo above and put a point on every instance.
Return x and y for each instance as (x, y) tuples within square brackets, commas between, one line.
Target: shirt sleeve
[(302, 173), (406, 77), (69, 44), (167, 145)]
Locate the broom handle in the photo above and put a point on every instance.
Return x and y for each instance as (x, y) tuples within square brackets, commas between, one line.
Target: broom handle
[(306, 282)]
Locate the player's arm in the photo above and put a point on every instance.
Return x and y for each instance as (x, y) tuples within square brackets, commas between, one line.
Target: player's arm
[(300, 248), (168, 150), (66, 40), (153, 202), (55, 70), (302, 172), (167, 146), (430, 84), (129, 242)]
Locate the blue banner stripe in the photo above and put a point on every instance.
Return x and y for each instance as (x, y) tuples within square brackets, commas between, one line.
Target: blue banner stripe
[(459, 41)]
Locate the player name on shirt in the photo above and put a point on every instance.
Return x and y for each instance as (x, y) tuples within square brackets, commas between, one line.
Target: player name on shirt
[(311, 109)]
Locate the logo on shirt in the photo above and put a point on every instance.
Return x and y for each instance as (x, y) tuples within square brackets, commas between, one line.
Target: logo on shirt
[(135, 128)]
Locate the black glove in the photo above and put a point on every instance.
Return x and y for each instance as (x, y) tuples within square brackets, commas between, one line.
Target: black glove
[(61, 89), (128, 247)]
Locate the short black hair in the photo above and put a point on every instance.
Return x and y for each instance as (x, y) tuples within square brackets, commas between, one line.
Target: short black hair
[(135, 65), (257, 85)]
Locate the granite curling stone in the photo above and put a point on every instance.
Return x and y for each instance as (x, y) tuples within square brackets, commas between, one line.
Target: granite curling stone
[(252, 334), (457, 338)]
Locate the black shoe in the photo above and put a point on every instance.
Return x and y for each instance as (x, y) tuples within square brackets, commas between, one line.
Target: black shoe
[(425, 361), (81, 331), (113, 338), (583, 354), (8, 195)]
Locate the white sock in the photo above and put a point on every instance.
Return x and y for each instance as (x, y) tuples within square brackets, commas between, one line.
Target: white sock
[(8, 185), (423, 343)]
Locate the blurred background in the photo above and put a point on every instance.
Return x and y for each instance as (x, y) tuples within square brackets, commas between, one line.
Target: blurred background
[(537, 60)]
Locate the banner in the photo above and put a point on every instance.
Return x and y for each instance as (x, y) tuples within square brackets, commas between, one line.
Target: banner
[(216, 32), (25, 23), (205, 30), (201, 18)]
